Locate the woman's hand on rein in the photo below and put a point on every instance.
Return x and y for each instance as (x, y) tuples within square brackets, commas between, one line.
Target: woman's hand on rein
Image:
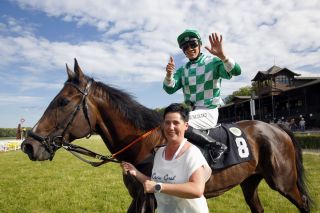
[(128, 167)]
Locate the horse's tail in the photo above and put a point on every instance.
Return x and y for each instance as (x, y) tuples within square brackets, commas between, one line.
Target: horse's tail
[(302, 180)]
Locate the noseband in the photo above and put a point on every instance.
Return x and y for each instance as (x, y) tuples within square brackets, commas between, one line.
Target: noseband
[(53, 143)]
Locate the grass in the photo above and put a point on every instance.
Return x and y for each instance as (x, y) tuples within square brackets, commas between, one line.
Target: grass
[(272, 201), (68, 185)]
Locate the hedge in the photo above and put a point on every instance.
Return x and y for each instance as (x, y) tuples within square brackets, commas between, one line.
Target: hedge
[(309, 141), (10, 132)]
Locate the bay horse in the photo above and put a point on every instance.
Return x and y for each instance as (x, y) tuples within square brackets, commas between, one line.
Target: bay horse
[(131, 132)]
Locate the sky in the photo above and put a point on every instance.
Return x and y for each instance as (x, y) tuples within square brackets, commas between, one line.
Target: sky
[(127, 45)]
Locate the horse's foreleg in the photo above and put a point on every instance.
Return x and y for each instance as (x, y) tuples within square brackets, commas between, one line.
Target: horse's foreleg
[(149, 204), (141, 202), (250, 191)]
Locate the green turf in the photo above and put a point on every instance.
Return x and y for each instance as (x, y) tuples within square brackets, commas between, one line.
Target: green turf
[(66, 184)]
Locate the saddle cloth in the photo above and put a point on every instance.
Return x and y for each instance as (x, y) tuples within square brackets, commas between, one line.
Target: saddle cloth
[(233, 137)]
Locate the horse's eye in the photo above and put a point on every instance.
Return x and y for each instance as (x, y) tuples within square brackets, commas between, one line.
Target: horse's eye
[(63, 102)]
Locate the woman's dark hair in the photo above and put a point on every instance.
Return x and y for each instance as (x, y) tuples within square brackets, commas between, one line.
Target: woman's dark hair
[(179, 108)]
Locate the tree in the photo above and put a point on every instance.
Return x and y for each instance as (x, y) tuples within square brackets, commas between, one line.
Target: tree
[(243, 91)]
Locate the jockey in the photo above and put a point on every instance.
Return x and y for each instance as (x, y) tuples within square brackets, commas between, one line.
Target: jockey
[(200, 80)]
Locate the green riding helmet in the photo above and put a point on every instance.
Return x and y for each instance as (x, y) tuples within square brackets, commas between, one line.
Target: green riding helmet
[(188, 35)]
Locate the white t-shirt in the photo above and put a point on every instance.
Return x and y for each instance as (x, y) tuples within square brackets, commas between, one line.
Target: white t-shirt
[(179, 170)]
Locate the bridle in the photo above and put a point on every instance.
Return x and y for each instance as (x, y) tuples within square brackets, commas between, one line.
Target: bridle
[(51, 144)]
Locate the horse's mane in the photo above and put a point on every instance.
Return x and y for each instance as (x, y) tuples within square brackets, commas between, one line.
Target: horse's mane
[(138, 115)]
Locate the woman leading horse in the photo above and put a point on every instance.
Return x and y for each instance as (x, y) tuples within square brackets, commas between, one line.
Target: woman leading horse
[(130, 132)]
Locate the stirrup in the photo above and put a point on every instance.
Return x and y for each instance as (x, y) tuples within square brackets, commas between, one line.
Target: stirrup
[(216, 154)]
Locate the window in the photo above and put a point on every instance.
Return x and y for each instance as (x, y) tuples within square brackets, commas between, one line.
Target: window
[(282, 79), (299, 103), (265, 83)]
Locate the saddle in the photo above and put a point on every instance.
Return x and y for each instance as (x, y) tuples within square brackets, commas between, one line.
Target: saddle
[(233, 137)]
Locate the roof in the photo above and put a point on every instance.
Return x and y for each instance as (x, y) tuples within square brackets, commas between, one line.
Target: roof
[(273, 70), (262, 75), (241, 97), (307, 77)]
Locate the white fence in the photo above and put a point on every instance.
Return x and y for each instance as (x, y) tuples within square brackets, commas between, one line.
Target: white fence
[(9, 145)]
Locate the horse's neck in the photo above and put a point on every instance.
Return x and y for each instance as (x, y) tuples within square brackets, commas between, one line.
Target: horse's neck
[(112, 128), (118, 133)]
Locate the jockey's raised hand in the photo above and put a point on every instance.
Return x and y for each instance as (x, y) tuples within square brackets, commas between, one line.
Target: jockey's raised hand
[(170, 68), (216, 46)]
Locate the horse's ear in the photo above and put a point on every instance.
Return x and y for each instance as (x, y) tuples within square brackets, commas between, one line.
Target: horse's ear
[(70, 73), (77, 70)]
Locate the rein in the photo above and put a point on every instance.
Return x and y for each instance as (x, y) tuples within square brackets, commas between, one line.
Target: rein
[(134, 142), (74, 149), (51, 144)]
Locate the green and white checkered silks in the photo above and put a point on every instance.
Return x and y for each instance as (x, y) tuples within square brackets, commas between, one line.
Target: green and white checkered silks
[(201, 81), (199, 85)]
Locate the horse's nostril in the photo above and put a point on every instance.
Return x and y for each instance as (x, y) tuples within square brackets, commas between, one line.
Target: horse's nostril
[(28, 149)]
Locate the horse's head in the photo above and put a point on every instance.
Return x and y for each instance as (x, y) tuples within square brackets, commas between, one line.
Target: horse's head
[(69, 116)]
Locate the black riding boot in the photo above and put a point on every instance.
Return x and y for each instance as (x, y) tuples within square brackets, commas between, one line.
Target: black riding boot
[(199, 138)]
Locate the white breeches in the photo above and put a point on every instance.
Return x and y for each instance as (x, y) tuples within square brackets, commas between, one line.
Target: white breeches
[(203, 118)]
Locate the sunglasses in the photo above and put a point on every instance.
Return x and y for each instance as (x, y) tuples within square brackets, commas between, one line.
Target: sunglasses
[(191, 44)]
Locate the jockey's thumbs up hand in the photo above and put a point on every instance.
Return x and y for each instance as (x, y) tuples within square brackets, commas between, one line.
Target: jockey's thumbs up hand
[(170, 68), (171, 60)]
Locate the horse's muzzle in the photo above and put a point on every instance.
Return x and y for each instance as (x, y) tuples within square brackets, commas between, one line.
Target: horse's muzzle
[(35, 150)]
